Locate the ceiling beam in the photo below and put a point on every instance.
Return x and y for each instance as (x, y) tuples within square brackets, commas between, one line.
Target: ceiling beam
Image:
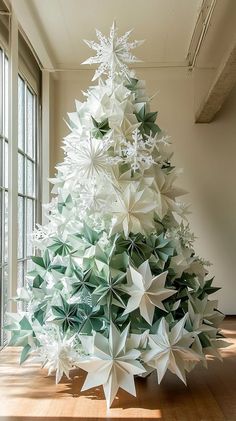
[(219, 90)]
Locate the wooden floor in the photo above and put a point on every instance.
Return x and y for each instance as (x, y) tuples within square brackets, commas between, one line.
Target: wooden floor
[(27, 394)]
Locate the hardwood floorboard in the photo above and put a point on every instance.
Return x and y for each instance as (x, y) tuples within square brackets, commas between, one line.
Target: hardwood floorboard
[(28, 394)]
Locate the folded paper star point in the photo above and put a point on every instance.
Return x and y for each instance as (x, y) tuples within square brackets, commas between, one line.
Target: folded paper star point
[(112, 363), (146, 292), (170, 349)]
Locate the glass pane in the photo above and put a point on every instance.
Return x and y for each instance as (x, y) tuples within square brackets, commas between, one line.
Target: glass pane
[(1, 91), (5, 292), (6, 227), (21, 113), (6, 164), (30, 225), (20, 173), (20, 274), (1, 223), (6, 99), (20, 227), (30, 123), (1, 161), (29, 265), (1, 303), (30, 178), (4, 300)]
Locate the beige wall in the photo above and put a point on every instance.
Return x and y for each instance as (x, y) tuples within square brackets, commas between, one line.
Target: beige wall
[(207, 153)]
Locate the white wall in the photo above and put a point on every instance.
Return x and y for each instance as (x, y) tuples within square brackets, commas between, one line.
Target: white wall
[(206, 152)]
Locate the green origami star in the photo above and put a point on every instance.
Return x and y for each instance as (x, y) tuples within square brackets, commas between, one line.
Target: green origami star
[(66, 315), (161, 248), (135, 247), (110, 290), (100, 128), (147, 120)]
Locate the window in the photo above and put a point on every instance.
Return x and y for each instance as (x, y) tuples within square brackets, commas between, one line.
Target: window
[(3, 188), (23, 198), (27, 174)]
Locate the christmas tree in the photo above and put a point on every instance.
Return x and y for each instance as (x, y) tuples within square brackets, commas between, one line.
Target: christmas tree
[(117, 288)]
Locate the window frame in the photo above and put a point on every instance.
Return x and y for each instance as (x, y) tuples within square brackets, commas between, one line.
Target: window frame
[(12, 257), (4, 188)]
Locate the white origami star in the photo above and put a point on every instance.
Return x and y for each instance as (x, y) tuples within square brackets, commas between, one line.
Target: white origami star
[(112, 364), (147, 292), (133, 210), (170, 350), (166, 193), (203, 315), (112, 53)]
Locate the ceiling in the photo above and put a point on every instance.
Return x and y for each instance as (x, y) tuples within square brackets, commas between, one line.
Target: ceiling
[(166, 25), (195, 34)]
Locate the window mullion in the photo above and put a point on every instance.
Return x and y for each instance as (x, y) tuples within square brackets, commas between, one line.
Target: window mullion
[(3, 263), (12, 157), (2, 91), (25, 179)]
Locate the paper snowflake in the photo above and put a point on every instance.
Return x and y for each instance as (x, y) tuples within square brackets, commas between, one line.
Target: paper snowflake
[(112, 53), (137, 152), (57, 352)]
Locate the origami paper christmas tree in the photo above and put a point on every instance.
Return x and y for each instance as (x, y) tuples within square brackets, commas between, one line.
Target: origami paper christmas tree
[(118, 289)]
